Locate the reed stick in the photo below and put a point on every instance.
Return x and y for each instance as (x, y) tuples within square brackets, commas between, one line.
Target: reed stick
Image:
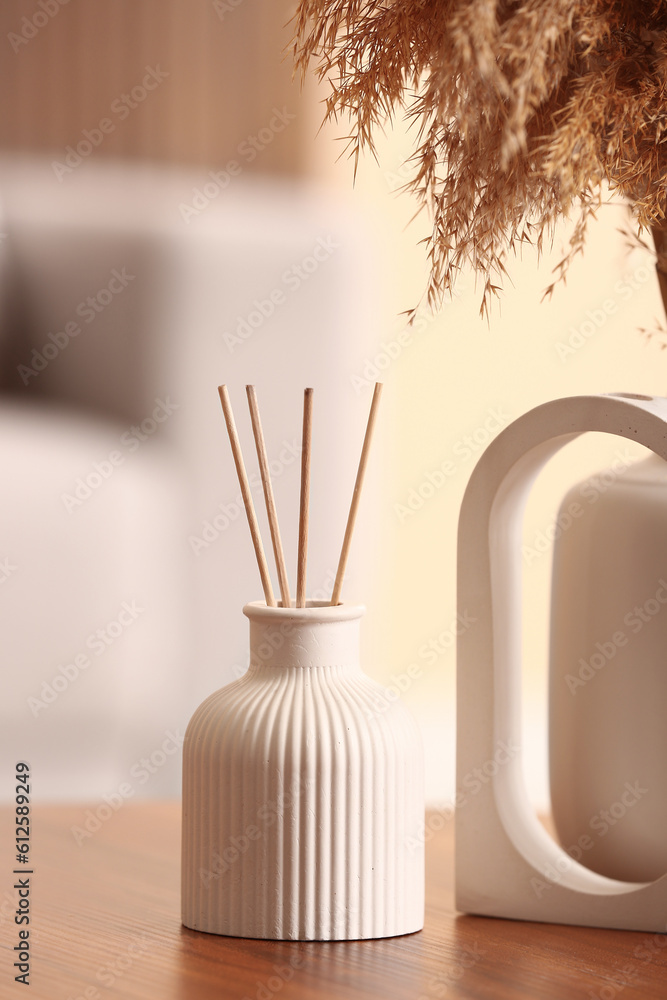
[(247, 496), (304, 498), (269, 498), (354, 506)]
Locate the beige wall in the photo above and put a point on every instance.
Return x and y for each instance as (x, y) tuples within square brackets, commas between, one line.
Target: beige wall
[(224, 62), (452, 372)]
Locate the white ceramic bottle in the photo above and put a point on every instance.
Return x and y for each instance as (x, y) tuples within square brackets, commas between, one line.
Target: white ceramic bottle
[(608, 673), (303, 797)]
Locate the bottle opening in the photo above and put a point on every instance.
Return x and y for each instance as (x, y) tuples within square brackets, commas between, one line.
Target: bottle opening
[(313, 604), (313, 611)]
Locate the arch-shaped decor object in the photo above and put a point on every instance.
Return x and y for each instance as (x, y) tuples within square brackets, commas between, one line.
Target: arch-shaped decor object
[(506, 863)]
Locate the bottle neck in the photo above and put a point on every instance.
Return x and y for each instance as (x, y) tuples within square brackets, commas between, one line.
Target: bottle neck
[(304, 638)]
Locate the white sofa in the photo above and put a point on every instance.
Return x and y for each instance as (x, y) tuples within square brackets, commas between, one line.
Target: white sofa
[(126, 558)]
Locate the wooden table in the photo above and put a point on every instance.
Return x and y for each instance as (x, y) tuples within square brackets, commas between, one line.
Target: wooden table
[(105, 923)]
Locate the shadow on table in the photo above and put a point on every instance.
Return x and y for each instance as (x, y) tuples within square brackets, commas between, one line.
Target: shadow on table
[(295, 970)]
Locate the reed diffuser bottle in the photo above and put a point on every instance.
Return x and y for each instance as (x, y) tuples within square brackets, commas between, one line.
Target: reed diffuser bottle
[(303, 781), (303, 800)]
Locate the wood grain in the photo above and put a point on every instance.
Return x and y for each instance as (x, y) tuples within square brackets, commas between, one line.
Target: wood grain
[(269, 497), (304, 498), (105, 918), (356, 495), (246, 493), (227, 76)]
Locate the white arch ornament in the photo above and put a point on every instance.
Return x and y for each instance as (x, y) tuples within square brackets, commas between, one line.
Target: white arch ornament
[(506, 863)]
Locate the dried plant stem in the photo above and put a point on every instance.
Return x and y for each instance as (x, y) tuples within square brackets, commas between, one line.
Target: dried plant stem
[(247, 496), (303, 502), (354, 506), (268, 496), (659, 231)]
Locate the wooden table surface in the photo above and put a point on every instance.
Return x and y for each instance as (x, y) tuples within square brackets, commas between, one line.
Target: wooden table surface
[(105, 923)]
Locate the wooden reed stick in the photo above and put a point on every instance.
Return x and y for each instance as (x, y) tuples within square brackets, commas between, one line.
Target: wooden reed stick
[(247, 496), (268, 495), (303, 503), (354, 506)]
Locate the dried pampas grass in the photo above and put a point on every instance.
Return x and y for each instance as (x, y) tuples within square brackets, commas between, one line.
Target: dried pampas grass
[(524, 110)]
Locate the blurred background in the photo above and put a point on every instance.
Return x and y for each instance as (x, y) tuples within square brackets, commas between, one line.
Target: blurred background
[(172, 217)]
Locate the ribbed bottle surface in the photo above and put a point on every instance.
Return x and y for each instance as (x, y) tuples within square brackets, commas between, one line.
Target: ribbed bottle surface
[(303, 799)]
